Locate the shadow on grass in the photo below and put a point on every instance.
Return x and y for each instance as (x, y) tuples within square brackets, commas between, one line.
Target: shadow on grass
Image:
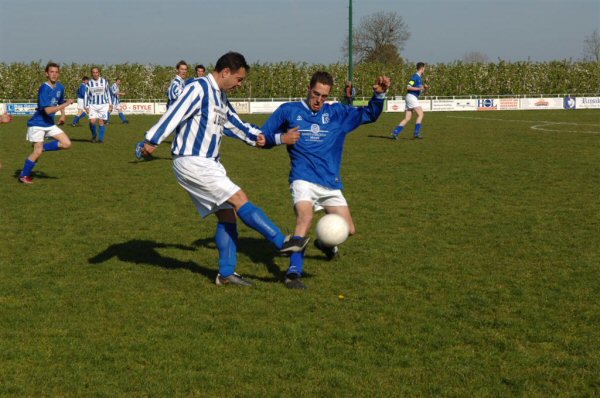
[(144, 252), (385, 137), (149, 159), (35, 174)]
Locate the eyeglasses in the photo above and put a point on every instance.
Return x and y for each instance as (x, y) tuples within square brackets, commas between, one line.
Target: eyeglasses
[(317, 94)]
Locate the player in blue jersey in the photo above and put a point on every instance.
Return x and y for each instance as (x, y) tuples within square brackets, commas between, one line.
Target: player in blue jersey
[(98, 103), (200, 71), (315, 179), (80, 98), (414, 88), (51, 99), (178, 83), (200, 118), (116, 94)]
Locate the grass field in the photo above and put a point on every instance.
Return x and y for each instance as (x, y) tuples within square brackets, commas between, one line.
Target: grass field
[(475, 270)]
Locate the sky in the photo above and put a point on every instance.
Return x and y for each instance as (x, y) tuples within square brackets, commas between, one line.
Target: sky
[(313, 31)]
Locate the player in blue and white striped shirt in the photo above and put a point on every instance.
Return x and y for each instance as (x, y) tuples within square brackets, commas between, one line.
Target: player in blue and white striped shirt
[(178, 83), (200, 118), (116, 93), (98, 103), (80, 98)]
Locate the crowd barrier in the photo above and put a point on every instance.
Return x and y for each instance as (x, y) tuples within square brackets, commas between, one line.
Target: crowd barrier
[(392, 105)]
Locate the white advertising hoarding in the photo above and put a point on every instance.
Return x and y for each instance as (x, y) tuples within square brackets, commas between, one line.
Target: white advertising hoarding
[(453, 105), (241, 107), (541, 103), (587, 103), (137, 108), (395, 106), (265, 107)]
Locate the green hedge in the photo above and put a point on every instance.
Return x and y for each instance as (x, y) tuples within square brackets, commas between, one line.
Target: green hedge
[(287, 79)]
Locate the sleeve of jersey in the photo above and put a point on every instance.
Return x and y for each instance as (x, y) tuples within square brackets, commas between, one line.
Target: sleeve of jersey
[(365, 114), (110, 100), (44, 97), (174, 115), (235, 127), (274, 127)]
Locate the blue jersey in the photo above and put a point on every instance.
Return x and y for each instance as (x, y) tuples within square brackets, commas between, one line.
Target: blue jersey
[(175, 89), (114, 93), (317, 156), (200, 117), (98, 92), (81, 91), (415, 81), (47, 96)]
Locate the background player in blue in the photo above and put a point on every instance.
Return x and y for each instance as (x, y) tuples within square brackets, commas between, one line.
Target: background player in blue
[(178, 83), (41, 125), (414, 88), (200, 117), (116, 94), (315, 180), (200, 71), (80, 98), (98, 104)]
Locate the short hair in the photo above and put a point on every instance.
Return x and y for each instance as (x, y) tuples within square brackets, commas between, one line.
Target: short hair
[(420, 65), (95, 67), (199, 67), (85, 78), (180, 63), (51, 65), (117, 78), (232, 60), (321, 77)]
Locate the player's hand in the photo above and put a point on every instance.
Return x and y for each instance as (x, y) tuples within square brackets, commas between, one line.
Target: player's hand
[(6, 118), (291, 136), (261, 140), (382, 84)]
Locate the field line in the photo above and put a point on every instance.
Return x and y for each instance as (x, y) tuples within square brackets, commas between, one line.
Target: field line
[(541, 125)]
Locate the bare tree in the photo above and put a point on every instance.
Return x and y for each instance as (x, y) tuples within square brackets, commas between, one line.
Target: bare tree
[(591, 47), (475, 57), (380, 37)]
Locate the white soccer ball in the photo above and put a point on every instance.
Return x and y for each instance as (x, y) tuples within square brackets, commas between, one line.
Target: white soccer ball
[(332, 230)]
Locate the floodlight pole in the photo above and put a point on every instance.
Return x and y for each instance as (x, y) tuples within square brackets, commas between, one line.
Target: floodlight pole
[(350, 66)]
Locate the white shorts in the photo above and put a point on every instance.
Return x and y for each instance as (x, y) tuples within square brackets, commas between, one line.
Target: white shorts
[(80, 106), (98, 111), (320, 196), (206, 181), (116, 108), (412, 102), (38, 134)]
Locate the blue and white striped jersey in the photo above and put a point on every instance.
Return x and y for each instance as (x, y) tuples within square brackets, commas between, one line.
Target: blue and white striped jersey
[(114, 93), (47, 96), (81, 91), (175, 90), (200, 117), (98, 92), (317, 156)]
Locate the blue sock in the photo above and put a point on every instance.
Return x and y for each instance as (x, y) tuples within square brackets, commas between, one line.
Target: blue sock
[(398, 130), (101, 129), (256, 219), (93, 130), (296, 263), (122, 116), (417, 129), (51, 146), (82, 116), (76, 120), (226, 239), (27, 168)]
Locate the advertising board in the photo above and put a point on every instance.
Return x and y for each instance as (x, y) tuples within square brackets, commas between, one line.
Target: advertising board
[(587, 102), (541, 103)]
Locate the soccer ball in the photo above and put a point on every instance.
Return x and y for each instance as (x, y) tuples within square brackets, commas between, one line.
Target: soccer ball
[(332, 230)]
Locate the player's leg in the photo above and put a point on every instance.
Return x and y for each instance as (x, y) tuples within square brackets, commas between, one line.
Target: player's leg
[(101, 123), (93, 127), (62, 141), (226, 239), (403, 122), (420, 115), (304, 216), (31, 161)]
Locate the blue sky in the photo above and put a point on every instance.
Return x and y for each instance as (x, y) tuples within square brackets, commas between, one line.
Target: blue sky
[(312, 31)]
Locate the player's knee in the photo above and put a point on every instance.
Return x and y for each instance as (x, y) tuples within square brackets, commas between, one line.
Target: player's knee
[(38, 150), (65, 144)]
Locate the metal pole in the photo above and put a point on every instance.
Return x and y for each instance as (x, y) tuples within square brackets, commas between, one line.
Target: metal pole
[(350, 65)]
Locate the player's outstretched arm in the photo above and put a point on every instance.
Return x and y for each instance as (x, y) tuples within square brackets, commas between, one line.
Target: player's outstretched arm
[(382, 84)]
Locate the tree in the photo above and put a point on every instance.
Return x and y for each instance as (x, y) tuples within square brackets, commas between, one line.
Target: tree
[(591, 47), (380, 37), (475, 57)]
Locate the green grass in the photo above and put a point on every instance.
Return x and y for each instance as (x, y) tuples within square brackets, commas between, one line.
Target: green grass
[(475, 270)]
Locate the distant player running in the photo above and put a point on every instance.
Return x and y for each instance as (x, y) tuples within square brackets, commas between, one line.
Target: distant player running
[(41, 125), (98, 104), (414, 88), (80, 98), (178, 83), (200, 117), (116, 94)]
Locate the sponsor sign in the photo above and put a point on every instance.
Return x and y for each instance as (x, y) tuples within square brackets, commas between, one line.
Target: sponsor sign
[(587, 102), (487, 105), (21, 109), (70, 110), (541, 103), (137, 108), (160, 108), (2, 109), (264, 107), (395, 106), (569, 102), (508, 104), (241, 107), (454, 105)]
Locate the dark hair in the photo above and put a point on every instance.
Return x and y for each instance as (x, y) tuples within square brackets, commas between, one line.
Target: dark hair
[(321, 77), (85, 78), (182, 62), (95, 67), (232, 60), (199, 67), (51, 65), (420, 65)]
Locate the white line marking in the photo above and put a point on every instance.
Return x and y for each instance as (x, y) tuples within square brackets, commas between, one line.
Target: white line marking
[(539, 127)]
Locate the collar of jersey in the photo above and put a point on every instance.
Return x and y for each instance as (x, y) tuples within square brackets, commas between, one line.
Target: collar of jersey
[(310, 110)]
